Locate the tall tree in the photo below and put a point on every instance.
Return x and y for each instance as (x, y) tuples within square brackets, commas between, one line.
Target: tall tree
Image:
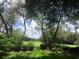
[(2, 18)]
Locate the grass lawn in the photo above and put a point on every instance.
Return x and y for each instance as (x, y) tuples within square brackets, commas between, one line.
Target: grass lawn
[(38, 54), (73, 46), (35, 43)]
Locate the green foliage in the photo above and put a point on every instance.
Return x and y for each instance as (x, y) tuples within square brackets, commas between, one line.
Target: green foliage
[(5, 43), (52, 11), (2, 36)]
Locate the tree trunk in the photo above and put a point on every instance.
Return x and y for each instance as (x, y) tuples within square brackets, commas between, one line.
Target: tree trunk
[(6, 27), (11, 29), (42, 29), (24, 27), (76, 35), (58, 24)]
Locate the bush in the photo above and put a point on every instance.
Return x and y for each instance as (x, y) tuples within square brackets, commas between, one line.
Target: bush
[(43, 46), (7, 44), (71, 50), (2, 54), (30, 46), (24, 48)]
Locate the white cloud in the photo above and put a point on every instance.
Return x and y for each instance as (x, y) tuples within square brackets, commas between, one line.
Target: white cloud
[(1, 1), (30, 28)]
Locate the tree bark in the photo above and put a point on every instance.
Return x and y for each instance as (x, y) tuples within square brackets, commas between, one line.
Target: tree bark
[(42, 29), (6, 27), (58, 24), (11, 29), (24, 27)]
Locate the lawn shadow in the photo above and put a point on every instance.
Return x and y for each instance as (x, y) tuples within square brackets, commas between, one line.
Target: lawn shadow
[(56, 56), (49, 56)]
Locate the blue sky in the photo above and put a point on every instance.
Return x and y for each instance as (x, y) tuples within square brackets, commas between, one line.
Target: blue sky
[(30, 28), (71, 27)]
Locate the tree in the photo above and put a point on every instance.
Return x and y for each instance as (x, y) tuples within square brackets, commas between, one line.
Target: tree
[(6, 28), (52, 10), (7, 20), (10, 20)]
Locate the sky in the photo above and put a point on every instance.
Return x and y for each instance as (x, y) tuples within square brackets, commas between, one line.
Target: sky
[(31, 30), (71, 27)]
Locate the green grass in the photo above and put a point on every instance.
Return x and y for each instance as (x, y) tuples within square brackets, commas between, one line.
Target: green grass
[(27, 54), (35, 43), (38, 54), (72, 46), (68, 45)]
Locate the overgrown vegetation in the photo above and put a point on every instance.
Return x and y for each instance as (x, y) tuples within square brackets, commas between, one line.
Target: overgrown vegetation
[(52, 18)]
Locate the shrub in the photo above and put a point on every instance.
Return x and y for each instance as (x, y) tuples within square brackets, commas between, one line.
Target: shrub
[(43, 46), (2, 54), (24, 48), (30, 46), (71, 50)]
